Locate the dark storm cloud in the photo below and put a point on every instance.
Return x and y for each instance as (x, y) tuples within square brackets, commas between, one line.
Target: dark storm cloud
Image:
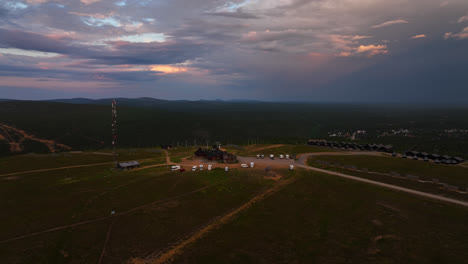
[(272, 49), (119, 52), (237, 14), (32, 41)]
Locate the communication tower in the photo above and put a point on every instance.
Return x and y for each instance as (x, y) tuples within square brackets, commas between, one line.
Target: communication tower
[(114, 130)]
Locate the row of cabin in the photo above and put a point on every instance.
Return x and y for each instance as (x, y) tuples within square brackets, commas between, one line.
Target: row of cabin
[(216, 154), (345, 145), (444, 159)]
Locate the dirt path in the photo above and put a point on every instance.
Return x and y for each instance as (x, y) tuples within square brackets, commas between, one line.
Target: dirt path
[(107, 240), (389, 186), (59, 168), (267, 147), (178, 247), (168, 158), (74, 166)]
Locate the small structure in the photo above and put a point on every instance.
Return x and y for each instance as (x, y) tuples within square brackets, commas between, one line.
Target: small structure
[(128, 165), (167, 147)]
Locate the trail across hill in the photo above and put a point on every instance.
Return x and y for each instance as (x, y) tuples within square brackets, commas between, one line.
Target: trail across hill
[(267, 147), (59, 168), (177, 247)]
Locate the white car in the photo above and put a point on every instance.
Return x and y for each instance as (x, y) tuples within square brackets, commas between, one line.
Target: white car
[(244, 165), (226, 169), (209, 166), (201, 167), (281, 156), (272, 156), (194, 168), (287, 156), (291, 167), (251, 164), (175, 168)]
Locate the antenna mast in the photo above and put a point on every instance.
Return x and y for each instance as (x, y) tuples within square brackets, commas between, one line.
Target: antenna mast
[(114, 130)]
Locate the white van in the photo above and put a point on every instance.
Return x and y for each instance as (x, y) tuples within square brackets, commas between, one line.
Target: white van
[(243, 165), (252, 164), (194, 168), (201, 166), (175, 168)]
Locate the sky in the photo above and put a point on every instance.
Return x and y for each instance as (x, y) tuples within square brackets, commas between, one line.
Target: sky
[(272, 50)]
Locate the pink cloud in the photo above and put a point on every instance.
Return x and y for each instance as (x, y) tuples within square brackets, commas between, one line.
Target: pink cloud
[(372, 50), (390, 23), (55, 84), (419, 36), (461, 35)]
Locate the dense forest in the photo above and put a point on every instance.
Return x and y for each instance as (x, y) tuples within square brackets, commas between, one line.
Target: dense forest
[(154, 122)]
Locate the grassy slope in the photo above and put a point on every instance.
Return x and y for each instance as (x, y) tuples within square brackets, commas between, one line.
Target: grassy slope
[(324, 219), (29, 162), (44, 200)]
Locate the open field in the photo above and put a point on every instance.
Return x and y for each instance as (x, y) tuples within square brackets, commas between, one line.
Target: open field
[(324, 219), (456, 175), (64, 216), (153, 207)]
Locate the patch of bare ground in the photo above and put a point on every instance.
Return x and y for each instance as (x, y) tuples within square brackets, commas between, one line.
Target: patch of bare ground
[(15, 138), (168, 254), (373, 247), (11, 178)]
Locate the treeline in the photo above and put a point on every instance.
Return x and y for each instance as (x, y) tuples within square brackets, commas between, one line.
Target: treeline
[(84, 126)]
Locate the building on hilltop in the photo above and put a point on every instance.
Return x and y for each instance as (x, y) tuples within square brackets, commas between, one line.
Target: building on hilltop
[(216, 154)]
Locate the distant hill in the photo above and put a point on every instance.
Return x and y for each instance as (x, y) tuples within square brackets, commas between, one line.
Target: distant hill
[(148, 102)]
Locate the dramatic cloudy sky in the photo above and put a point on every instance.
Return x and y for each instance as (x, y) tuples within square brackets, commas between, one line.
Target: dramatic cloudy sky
[(307, 50)]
